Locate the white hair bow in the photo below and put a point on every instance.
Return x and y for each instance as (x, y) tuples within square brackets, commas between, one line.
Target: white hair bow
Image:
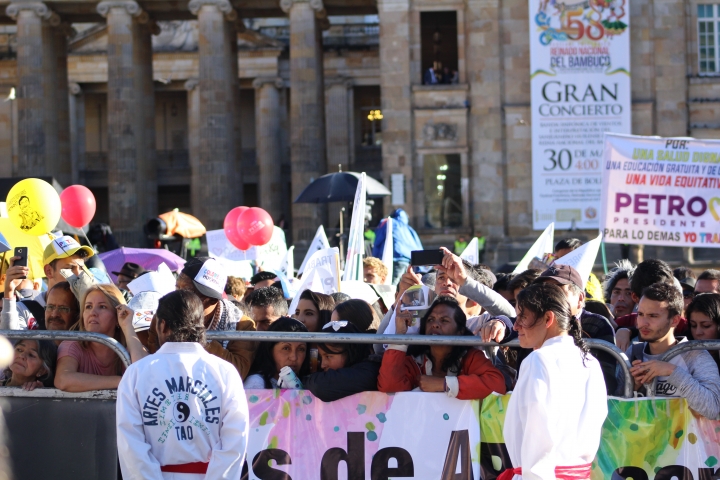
[(336, 324)]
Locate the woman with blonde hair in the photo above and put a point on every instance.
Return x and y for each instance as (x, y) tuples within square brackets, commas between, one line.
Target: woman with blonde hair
[(84, 366)]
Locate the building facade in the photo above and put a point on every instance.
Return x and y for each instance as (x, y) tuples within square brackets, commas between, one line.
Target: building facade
[(209, 104)]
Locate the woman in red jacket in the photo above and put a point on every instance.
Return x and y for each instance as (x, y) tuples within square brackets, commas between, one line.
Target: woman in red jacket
[(461, 372)]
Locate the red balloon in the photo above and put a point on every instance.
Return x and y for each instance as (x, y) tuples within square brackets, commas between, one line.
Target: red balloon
[(231, 230), (255, 226), (78, 205)]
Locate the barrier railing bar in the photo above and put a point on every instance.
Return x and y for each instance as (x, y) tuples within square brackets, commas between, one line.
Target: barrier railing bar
[(369, 338), (74, 335), (469, 341), (686, 347), (621, 359)]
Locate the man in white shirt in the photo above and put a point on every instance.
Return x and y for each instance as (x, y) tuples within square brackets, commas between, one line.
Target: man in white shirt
[(181, 412)]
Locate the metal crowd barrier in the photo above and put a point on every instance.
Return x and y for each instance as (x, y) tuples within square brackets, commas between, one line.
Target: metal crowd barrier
[(686, 347), (469, 341), (74, 335)]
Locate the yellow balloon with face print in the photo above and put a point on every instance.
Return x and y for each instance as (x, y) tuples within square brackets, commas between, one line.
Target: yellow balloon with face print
[(34, 206)]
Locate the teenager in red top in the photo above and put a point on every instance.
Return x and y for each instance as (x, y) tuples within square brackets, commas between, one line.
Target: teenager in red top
[(461, 372)]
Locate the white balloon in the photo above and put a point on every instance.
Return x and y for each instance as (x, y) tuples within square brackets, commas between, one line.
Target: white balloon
[(6, 352)]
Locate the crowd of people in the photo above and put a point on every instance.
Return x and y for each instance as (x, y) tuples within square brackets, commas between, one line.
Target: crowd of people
[(644, 309)]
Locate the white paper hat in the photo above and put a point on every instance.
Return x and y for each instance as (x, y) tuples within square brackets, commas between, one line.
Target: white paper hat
[(144, 305)]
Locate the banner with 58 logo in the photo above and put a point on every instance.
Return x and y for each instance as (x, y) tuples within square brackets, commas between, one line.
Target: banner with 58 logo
[(580, 84)]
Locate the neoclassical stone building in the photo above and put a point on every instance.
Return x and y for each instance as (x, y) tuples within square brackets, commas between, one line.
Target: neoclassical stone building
[(209, 104)]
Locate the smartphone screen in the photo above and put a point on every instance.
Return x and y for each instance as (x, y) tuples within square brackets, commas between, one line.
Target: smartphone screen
[(419, 258), (21, 252)]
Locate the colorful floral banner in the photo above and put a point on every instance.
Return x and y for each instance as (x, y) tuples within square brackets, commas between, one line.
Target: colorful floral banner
[(580, 88), (375, 436)]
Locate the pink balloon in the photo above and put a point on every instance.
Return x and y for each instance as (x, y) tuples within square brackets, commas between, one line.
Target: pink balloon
[(231, 230), (78, 205), (255, 226)]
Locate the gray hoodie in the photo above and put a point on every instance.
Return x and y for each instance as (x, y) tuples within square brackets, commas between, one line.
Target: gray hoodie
[(696, 379)]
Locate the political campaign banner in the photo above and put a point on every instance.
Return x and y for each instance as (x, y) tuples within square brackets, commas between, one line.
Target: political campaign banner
[(374, 436), (580, 88), (370, 435), (661, 191), (642, 439)]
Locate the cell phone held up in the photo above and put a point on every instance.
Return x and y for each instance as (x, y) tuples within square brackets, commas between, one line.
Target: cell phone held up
[(422, 258), (22, 261)]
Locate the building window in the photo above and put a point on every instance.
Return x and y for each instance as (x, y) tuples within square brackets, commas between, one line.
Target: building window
[(443, 195), (708, 23), (371, 127), (439, 44)]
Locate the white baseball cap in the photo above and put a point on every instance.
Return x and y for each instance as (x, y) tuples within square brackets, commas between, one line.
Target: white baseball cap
[(208, 276)]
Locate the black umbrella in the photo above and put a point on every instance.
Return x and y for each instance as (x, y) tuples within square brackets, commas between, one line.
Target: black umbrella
[(340, 187)]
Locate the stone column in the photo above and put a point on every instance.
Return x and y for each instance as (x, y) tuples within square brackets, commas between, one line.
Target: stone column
[(43, 126), (339, 132), (670, 51), (193, 115), (485, 122), (61, 161), (395, 81), (77, 130), (132, 177), (7, 121), (268, 144), (307, 112), (338, 125), (216, 183)]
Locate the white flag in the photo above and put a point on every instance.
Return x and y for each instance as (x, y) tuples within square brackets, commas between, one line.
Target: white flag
[(583, 259), (287, 265), (544, 244), (356, 237), (320, 242), (270, 255), (387, 254), (322, 274), (471, 252)]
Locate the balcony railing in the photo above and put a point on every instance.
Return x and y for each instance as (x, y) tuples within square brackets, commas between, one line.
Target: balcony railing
[(361, 34)]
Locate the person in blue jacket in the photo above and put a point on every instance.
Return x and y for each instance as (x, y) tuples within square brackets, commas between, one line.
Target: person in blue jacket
[(405, 240)]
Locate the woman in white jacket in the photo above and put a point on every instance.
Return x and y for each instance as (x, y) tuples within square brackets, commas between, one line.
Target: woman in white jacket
[(556, 412), (181, 412)]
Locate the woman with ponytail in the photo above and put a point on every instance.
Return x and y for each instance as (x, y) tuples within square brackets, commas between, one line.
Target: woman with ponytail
[(555, 415), (182, 409)]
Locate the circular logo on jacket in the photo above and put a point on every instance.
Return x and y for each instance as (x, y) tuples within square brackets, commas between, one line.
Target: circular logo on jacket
[(181, 412)]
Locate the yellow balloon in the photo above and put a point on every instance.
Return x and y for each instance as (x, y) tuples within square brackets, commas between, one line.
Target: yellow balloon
[(33, 206)]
